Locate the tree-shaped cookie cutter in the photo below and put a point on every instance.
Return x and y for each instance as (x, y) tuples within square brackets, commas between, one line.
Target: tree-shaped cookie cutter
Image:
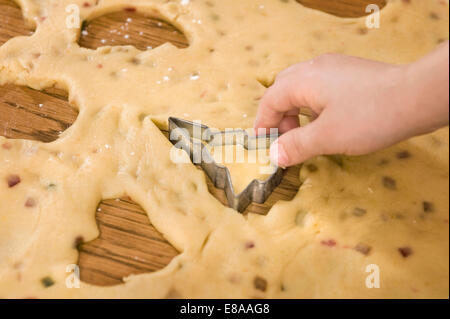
[(182, 133)]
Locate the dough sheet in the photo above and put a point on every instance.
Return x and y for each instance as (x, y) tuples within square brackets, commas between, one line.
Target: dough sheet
[(388, 209)]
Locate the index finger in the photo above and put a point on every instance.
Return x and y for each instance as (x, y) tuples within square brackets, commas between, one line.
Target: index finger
[(280, 99)]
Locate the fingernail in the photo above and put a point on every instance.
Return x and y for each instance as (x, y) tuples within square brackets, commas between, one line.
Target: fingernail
[(278, 154)]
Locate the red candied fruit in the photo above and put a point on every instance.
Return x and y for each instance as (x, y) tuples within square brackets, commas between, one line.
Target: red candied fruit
[(329, 242), (13, 180)]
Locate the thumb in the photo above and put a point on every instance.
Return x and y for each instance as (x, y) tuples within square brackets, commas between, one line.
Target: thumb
[(297, 145)]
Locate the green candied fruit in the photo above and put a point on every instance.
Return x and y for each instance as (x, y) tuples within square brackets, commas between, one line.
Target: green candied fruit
[(47, 282)]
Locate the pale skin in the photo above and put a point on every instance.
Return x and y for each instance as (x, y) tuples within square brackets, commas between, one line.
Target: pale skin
[(360, 106)]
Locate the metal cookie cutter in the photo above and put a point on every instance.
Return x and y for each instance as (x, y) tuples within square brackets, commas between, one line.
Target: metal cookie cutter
[(181, 133)]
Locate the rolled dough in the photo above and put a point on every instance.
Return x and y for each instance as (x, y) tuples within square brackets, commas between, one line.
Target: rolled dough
[(389, 209)]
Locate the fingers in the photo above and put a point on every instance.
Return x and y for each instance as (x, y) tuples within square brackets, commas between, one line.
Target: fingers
[(274, 104), (289, 122), (301, 85), (293, 88), (298, 145)]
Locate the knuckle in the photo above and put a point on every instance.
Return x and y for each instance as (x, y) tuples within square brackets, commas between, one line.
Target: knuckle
[(325, 59), (285, 72)]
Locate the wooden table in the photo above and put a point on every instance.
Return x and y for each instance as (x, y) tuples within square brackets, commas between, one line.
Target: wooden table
[(128, 243)]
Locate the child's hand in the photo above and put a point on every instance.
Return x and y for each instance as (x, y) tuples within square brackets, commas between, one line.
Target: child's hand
[(361, 105)]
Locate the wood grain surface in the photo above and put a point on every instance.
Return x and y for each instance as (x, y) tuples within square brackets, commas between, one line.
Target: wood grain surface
[(128, 243)]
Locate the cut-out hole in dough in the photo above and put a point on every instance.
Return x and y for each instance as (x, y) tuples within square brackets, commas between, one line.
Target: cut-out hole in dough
[(34, 115), (343, 8), (130, 28), (11, 21), (128, 244), (287, 190)]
